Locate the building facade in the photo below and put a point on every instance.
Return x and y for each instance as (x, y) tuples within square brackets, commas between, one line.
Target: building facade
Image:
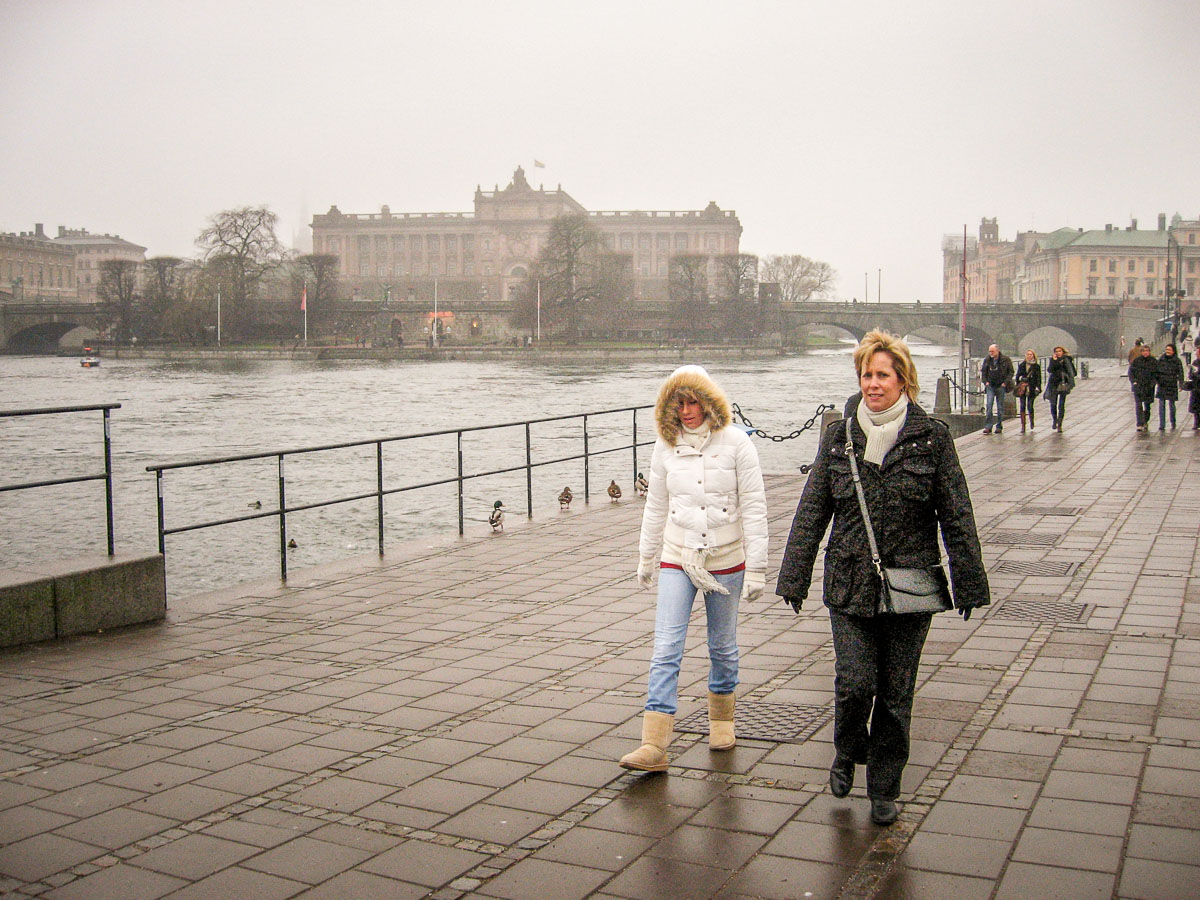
[(90, 250), (487, 254), (1073, 265), (33, 267)]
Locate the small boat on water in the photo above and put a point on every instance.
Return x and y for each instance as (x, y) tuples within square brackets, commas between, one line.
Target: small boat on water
[(90, 359)]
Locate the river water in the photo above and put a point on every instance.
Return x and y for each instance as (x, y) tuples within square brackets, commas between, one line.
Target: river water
[(177, 411)]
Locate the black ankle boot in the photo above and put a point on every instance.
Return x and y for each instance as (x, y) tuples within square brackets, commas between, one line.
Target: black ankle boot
[(841, 776), (883, 812)]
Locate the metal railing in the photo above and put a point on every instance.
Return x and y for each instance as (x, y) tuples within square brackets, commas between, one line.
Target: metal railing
[(282, 511), (105, 476)]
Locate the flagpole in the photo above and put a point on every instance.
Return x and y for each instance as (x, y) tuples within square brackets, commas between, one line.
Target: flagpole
[(304, 309), (539, 311), (218, 314), (435, 314)]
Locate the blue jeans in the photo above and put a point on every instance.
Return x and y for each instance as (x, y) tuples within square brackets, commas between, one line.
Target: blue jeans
[(1163, 405), (995, 397), (676, 593)]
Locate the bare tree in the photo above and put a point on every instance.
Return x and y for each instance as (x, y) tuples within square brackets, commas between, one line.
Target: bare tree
[(318, 273), (800, 279), (688, 289), (118, 290), (737, 274), (579, 278), (242, 245), (161, 291)]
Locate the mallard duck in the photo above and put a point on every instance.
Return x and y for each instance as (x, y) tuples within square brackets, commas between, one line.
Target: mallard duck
[(292, 545), (496, 519), (257, 504), (565, 498), (614, 491), (641, 484)]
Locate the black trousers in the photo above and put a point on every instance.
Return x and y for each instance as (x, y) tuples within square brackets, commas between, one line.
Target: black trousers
[(875, 671)]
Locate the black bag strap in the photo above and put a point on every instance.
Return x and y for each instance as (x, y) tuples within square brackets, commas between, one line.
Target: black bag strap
[(862, 500)]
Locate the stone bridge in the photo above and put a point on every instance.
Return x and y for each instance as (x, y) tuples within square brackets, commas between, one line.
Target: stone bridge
[(41, 326), (1096, 330)]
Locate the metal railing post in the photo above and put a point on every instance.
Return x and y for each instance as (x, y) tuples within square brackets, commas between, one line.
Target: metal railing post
[(461, 529), (282, 523), (586, 464), (108, 487), (528, 473), (379, 489), (162, 525), (635, 468)]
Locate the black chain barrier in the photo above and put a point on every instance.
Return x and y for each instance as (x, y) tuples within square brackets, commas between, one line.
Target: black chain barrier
[(754, 429), (952, 376)]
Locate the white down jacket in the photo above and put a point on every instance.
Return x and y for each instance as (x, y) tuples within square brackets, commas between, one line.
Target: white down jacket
[(711, 499)]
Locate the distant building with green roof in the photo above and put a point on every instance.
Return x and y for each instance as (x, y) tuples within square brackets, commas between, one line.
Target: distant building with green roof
[(1073, 265)]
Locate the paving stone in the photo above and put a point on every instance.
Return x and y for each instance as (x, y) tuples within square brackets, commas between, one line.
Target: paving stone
[(422, 863), (1022, 880), (119, 882)]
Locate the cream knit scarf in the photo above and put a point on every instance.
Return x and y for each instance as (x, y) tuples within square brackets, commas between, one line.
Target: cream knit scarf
[(692, 559), (882, 428)]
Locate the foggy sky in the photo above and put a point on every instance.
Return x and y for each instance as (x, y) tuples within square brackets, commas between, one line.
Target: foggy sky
[(858, 134)]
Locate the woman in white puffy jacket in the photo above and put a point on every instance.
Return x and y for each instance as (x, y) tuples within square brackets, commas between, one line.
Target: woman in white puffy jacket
[(706, 514)]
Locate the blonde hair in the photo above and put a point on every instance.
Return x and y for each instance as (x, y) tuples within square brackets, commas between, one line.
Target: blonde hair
[(881, 342)]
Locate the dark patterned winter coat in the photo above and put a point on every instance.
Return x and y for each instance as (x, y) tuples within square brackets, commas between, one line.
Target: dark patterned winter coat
[(919, 487), (1168, 372)]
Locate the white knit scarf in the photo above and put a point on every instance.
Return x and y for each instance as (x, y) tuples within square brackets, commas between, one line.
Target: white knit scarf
[(882, 428), (692, 559), (694, 437)]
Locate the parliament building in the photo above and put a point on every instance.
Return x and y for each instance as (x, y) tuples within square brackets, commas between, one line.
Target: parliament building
[(487, 254)]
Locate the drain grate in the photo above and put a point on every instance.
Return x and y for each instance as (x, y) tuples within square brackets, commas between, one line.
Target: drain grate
[(1052, 568), (786, 723), (1052, 611), (1049, 510), (1021, 539), (1044, 458)]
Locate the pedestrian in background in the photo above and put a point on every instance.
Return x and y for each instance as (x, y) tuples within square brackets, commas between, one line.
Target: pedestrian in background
[(1169, 376), (1143, 378), (1193, 380), (913, 483), (1029, 385), (1060, 381), (706, 511), (996, 372), (1136, 350), (1185, 348)]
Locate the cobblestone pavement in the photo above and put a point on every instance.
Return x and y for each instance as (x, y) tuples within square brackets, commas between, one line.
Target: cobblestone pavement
[(445, 722)]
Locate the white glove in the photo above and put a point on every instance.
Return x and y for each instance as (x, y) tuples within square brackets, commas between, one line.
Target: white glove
[(645, 572), (752, 585)]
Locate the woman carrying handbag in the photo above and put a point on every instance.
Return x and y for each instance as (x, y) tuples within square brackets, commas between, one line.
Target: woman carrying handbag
[(913, 486), (1029, 385)]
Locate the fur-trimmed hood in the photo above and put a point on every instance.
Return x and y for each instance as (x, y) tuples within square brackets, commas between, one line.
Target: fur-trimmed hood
[(696, 381)]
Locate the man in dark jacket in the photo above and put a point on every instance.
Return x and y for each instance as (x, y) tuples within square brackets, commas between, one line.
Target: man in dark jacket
[(1143, 377), (996, 372)]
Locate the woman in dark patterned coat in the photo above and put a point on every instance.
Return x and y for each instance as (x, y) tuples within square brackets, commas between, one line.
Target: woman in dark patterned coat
[(913, 485)]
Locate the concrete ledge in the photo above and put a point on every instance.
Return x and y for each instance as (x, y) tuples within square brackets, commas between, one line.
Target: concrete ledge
[(79, 596), (26, 607)]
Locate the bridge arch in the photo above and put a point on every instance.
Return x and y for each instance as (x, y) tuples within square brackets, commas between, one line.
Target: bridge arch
[(48, 336), (1080, 340), (854, 331)]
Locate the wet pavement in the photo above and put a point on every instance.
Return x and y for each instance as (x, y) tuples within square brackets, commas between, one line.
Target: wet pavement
[(445, 722)]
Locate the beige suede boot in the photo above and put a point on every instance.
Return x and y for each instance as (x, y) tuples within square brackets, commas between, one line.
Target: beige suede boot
[(656, 734), (720, 721)]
